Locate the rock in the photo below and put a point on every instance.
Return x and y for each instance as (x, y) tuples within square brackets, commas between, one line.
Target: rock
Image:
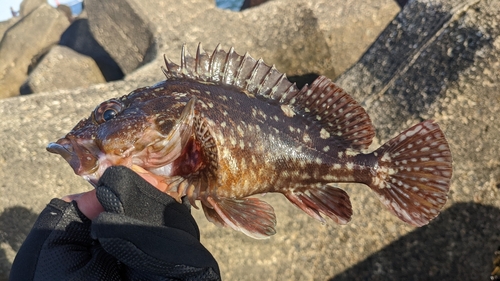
[(20, 44), (351, 26), (4, 25), (62, 68), (119, 28), (38, 57), (440, 60), (79, 38), (28, 6), (265, 30), (66, 11)]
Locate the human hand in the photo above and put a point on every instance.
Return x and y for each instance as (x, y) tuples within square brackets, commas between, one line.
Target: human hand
[(87, 203), (136, 232)]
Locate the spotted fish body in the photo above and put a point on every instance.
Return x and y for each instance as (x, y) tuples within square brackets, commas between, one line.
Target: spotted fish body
[(223, 127)]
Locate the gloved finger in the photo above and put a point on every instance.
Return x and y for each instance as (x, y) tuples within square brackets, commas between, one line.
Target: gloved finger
[(122, 191), (165, 251), (87, 203), (185, 202), (58, 246)]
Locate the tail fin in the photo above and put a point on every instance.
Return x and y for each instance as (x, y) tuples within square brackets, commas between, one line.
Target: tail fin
[(414, 172)]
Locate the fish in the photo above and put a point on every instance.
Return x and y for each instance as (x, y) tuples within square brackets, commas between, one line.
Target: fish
[(223, 127)]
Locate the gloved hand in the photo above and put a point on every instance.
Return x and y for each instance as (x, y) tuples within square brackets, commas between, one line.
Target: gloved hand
[(143, 234)]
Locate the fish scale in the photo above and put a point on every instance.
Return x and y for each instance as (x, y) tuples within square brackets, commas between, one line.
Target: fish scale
[(224, 127)]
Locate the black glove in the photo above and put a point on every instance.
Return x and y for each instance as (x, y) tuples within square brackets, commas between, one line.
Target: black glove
[(143, 234)]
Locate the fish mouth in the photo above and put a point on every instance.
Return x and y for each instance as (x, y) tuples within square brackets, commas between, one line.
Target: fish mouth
[(57, 148), (81, 159)]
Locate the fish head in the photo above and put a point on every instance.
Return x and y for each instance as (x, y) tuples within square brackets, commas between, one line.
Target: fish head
[(138, 129)]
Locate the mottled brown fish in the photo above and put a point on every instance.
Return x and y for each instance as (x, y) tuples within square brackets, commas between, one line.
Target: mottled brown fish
[(223, 127)]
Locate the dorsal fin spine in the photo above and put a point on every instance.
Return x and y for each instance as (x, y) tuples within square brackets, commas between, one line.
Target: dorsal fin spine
[(170, 67), (260, 86), (220, 62), (232, 69), (213, 65), (261, 91), (285, 98), (198, 60), (204, 65), (165, 69), (226, 77), (253, 85), (274, 89), (240, 80), (183, 60), (263, 80)]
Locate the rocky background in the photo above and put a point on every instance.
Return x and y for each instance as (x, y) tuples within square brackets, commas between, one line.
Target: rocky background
[(405, 62)]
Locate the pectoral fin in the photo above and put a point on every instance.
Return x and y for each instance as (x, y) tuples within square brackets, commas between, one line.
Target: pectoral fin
[(251, 216)]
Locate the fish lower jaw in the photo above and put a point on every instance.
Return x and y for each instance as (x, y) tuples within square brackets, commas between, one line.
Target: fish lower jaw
[(95, 174), (104, 162), (92, 175)]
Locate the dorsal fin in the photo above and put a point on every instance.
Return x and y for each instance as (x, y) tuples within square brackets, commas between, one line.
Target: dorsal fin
[(339, 114), (230, 68), (342, 118)]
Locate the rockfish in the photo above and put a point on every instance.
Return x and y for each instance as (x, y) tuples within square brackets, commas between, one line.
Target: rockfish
[(223, 127)]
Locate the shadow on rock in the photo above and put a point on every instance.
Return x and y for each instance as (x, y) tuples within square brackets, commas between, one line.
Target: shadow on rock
[(401, 3), (15, 224), (416, 59), (458, 245), (444, 47), (79, 38), (302, 80)]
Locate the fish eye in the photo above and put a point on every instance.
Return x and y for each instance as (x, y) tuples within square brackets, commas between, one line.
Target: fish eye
[(106, 111), (109, 114)]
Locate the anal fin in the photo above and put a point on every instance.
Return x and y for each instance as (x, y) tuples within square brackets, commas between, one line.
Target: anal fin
[(251, 216), (331, 201)]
